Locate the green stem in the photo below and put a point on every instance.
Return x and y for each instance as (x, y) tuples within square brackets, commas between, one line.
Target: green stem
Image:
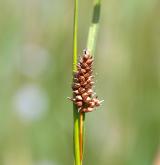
[(76, 136), (93, 30), (75, 110), (91, 41), (75, 35)]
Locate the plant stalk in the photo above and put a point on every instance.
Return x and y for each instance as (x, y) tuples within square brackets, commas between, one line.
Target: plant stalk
[(91, 45), (93, 30), (75, 110), (79, 118)]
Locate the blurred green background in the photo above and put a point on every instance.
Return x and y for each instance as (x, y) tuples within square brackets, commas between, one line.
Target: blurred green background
[(36, 120)]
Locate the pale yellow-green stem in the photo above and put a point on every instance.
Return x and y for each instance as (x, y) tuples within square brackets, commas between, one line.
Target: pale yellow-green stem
[(79, 118), (91, 44), (75, 110), (93, 30)]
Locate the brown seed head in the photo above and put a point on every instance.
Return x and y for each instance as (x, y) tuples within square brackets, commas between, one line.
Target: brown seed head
[(81, 90), (86, 57), (91, 104), (87, 75), (89, 91), (82, 78), (75, 86), (84, 95), (82, 71), (97, 102), (76, 92), (88, 86), (87, 99), (90, 109), (87, 109), (89, 61), (91, 83), (83, 83), (79, 97), (84, 65), (79, 103)]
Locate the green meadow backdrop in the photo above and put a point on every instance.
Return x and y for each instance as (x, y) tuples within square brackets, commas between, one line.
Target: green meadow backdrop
[(36, 119)]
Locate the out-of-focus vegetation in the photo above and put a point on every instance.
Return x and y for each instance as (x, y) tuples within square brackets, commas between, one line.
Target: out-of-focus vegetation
[(35, 76)]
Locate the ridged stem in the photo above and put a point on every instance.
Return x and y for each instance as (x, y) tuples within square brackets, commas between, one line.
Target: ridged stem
[(93, 30), (75, 110), (91, 45), (79, 118)]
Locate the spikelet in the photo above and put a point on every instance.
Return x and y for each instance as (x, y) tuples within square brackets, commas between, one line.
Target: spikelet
[(83, 94)]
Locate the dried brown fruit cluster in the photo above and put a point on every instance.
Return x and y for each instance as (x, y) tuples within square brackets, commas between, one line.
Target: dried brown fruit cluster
[(83, 95)]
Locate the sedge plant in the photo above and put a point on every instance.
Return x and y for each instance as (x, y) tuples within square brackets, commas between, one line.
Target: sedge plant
[(79, 117)]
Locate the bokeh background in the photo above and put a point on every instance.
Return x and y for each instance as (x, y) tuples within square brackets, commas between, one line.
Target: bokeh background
[(36, 120)]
